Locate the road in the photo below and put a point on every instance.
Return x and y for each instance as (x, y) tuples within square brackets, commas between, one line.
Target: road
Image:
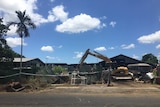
[(76, 100)]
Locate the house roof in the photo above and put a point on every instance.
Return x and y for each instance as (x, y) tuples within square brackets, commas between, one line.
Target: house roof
[(25, 59), (124, 56), (139, 64)]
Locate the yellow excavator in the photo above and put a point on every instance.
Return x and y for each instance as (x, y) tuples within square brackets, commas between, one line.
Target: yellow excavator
[(115, 73), (106, 74), (121, 73)]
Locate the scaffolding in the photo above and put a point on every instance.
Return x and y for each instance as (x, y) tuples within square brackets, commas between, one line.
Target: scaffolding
[(77, 79)]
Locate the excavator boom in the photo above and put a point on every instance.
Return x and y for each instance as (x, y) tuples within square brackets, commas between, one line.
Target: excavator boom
[(105, 58), (95, 54)]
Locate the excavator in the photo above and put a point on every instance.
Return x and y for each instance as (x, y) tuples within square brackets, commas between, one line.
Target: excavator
[(121, 73), (108, 73), (95, 54)]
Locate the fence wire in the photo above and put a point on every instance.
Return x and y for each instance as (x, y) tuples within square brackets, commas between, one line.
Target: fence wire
[(30, 74)]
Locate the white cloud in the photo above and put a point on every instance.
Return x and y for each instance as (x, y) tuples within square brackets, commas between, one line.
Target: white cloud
[(14, 41), (104, 17), (78, 54), (135, 56), (50, 57), (52, 0), (158, 46), (58, 13), (47, 48), (111, 48), (8, 8), (128, 46), (112, 23), (151, 38), (79, 23), (12, 30), (100, 49)]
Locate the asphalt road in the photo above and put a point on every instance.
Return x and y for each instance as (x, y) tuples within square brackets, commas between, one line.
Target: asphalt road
[(76, 100)]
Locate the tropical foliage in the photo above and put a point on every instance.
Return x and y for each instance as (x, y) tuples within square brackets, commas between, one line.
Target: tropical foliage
[(23, 24), (3, 31)]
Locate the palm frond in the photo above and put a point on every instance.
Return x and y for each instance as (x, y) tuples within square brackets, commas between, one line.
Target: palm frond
[(24, 24), (11, 23)]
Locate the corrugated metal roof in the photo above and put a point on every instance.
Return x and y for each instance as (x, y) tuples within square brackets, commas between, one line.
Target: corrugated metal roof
[(139, 64), (23, 59)]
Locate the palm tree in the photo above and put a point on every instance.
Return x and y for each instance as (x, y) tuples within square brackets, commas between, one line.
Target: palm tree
[(23, 24)]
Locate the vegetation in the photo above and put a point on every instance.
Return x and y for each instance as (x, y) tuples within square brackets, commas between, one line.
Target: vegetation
[(58, 69), (3, 31), (23, 26), (6, 54), (3, 43), (150, 58)]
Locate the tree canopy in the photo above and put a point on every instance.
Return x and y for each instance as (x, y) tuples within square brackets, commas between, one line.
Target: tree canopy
[(6, 53), (150, 58), (23, 24), (3, 31)]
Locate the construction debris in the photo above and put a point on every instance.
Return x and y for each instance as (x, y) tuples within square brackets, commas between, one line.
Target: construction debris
[(14, 87)]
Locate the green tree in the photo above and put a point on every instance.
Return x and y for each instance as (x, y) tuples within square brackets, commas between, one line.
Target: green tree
[(150, 58), (3, 31), (58, 69), (6, 57), (23, 24)]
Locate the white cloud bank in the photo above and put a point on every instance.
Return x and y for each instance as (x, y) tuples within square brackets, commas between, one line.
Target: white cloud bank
[(151, 38), (47, 48), (79, 23), (14, 42), (8, 8)]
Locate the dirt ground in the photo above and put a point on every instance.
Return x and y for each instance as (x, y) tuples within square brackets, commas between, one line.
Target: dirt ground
[(117, 88)]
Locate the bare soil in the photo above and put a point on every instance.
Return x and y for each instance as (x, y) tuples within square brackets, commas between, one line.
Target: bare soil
[(116, 88)]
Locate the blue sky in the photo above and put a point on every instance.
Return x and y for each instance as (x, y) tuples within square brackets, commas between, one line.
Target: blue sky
[(67, 28)]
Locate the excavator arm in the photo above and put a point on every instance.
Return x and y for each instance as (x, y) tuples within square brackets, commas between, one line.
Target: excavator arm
[(95, 54), (98, 55), (83, 58)]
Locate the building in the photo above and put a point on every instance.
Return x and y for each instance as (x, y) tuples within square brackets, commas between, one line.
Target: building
[(27, 63), (123, 60), (119, 60)]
